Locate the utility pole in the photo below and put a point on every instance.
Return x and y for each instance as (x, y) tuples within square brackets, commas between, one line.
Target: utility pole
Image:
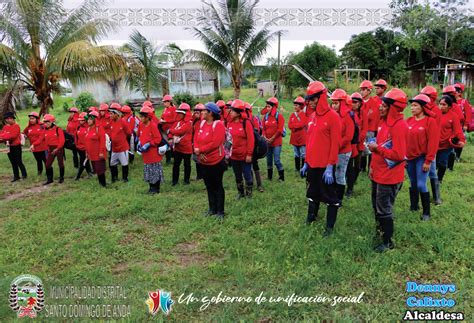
[(279, 67)]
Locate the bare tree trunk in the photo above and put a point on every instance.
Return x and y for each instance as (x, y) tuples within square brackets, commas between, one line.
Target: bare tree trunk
[(46, 103)]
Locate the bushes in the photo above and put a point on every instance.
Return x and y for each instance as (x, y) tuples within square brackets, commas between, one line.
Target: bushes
[(84, 101), (187, 97), (218, 96)]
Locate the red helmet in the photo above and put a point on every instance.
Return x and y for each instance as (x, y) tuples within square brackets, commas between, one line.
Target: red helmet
[(49, 117), (299, 100), (220, 103), (381, 83), (147, 103), (103, 107), (73, 109), (126, 109), (314, 88), (430, 91), (450, 89), (199, 107), (366, 84), (167, 97), (116, 106), (356, 97), (248, 106), (93, 114), (229, 103), (459, 86), (338, 94), (34, 114), (272, 101), (240, 105), (82, 116), (397, 98), (92, 109), (146, 110), (421, 99), (184, 107)]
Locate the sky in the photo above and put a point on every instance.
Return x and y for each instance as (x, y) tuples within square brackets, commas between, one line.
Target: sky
[(330, 23)]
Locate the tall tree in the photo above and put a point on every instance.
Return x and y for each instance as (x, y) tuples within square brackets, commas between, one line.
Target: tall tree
[(43, 43), (229, 33)]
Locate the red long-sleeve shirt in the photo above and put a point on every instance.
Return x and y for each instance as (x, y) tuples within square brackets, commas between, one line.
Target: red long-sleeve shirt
[(466, 108), (80, 136), (363, 126), (72, 124), (209, 139), (169, 117), (105, 122), (458, 111), (119, 132), (150, 134), (35, 134), (11, 133), (373, 113), (95, 143), (324, 138), (450, 127), (347, 132), (422, 138), (381, 174), (243, 141), (297, 124), (183, 129), (272, 126), (54, 137)]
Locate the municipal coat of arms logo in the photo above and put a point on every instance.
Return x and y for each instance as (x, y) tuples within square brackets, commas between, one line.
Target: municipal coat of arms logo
[(26, 296)]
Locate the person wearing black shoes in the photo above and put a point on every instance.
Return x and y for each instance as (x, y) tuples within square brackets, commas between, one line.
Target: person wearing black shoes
[(180, 140), (54, 138), (119, 134), (11, 135), (95, 147)]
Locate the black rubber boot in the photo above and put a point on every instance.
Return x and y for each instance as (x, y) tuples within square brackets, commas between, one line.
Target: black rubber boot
[(331, 217), (102, 180), (297, 164), (281, 175), (61, 175), (240, 189), (248, 191), (258, 179), (441, 172), (151, 188), (435, 191), (414, 199), (79, 172), (131, 158), (157, 187), (340, 193), (387, 229), (15, 178), (270, 174), (125, 174), (49, 176), (425, 203), (220, 203), (114, 173), (212, 205), (313, 209)]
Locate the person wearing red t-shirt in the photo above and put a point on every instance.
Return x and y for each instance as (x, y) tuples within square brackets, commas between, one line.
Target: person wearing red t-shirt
[(80, 142), (180, 139), (149, 141), (422, 144), (243, 142), (11, 135), (360, 126), (132, 122), (209, 149), (71, 127), (451, 91), (273, 124), (96, 149), (297, 124), (119, 136), (54, 139), (323, 142), (451, 135), (35, 134), (387, 168)]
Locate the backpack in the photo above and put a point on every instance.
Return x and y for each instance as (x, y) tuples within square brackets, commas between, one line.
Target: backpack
[(260, 148), (355, 137), (68, 139), (276, 117), (227, 141)]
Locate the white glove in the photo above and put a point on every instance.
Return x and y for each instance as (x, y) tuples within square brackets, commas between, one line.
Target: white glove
[(162, 150)]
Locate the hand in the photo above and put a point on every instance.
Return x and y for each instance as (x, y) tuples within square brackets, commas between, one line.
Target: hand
[(370, 173), (372, 146), (145, 147), (55, 151), (32, 147), (304, 170), (248, 159), (426, 167), (197, 151), (327, 176), (464, 128), (162, 149), (271, 140), (101, 156), (461, 144)]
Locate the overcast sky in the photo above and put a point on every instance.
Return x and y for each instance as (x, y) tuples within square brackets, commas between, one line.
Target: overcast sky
[(336, 32)]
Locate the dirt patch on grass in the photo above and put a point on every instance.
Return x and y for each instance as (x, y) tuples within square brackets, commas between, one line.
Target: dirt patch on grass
[(26, 192), (124, 267), (187, 254)]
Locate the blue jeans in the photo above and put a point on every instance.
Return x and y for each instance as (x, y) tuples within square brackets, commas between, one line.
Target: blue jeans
[(300, 151), (241, 167), (442, 156), (432, 173), (341, 167), (274, 154), (416, 174)]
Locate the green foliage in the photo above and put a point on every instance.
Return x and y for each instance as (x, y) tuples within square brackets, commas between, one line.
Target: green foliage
[(66, 107), (84, 101), (218, 96), (186, 97)]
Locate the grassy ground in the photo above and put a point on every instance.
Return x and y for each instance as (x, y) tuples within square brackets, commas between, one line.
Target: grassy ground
[(79, 234)]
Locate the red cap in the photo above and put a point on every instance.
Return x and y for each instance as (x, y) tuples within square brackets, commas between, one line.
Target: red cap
[(82, 116), (34, 114), (459, 86), (167, 97), (220, 103), (229, 103), (398, 97), (247, 106), (146, 110), (116, 106), (356, 97), (272, 101), (94, 114), (422, 99), (199, 107), (239, 105), (49, 117), (126, 109), (338, 94), (73, 109), (315, 88), (450, 89), (299, 100), (381, 83), (366, 84), (430, 91), (184, 107), (92, 109), (147, 103)]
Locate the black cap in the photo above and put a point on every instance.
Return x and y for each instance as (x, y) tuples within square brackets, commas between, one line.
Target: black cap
[(9, 114)]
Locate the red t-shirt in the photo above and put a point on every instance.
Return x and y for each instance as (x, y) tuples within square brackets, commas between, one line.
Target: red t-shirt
[(150, 134), (182, 129), (80, 137), (272, 126), (54, 137), (209, 139), (450, 127), (11, 133), (422, 138), (119, 132), (95, 143)]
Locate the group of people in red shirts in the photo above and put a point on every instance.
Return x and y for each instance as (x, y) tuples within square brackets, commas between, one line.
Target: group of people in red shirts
[(332, 144)]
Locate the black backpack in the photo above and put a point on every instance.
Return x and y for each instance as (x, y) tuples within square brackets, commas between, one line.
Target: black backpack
[(355, 138), (68, 139), (260, 148)]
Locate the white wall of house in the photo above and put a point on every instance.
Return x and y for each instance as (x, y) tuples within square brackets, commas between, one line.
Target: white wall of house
[(103, 93)]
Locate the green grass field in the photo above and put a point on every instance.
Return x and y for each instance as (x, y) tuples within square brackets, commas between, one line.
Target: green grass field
[(82, 235)]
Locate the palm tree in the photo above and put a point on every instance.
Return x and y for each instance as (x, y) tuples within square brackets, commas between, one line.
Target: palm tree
[(144, 61), (229, 33), (43, 43)]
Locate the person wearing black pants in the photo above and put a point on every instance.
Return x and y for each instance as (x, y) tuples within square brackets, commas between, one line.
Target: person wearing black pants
[(82, 167), (54, 138), (353, 170), (180, 139), (11, 135), (178, 158), (213, 179), (17, 163), (40, 157), (34, 131)]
